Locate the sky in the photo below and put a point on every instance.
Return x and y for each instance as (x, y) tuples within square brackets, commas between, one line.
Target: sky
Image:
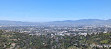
[(54, 10)]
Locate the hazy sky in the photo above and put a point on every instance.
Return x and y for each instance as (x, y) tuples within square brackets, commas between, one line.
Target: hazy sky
[(54, 10)]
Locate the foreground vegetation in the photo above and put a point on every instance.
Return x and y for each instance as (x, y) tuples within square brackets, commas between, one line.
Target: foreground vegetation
[(15, 40)]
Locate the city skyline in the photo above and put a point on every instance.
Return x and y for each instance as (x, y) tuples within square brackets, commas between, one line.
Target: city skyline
[(54, 10)]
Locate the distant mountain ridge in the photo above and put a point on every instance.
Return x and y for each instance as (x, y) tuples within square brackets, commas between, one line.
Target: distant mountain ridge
[(82, 22), (61, 23), (7, 22)]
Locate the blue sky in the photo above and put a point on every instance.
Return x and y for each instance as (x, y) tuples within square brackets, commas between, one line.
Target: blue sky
[(54, 10)]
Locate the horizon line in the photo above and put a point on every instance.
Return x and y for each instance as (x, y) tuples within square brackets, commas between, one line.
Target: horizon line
[(54, 21)]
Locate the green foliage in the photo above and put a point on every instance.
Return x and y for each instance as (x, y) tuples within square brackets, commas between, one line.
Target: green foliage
[(26, 41), (104, 41)]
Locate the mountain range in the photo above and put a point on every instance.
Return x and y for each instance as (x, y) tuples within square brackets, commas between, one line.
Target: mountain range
[(61, 23)]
